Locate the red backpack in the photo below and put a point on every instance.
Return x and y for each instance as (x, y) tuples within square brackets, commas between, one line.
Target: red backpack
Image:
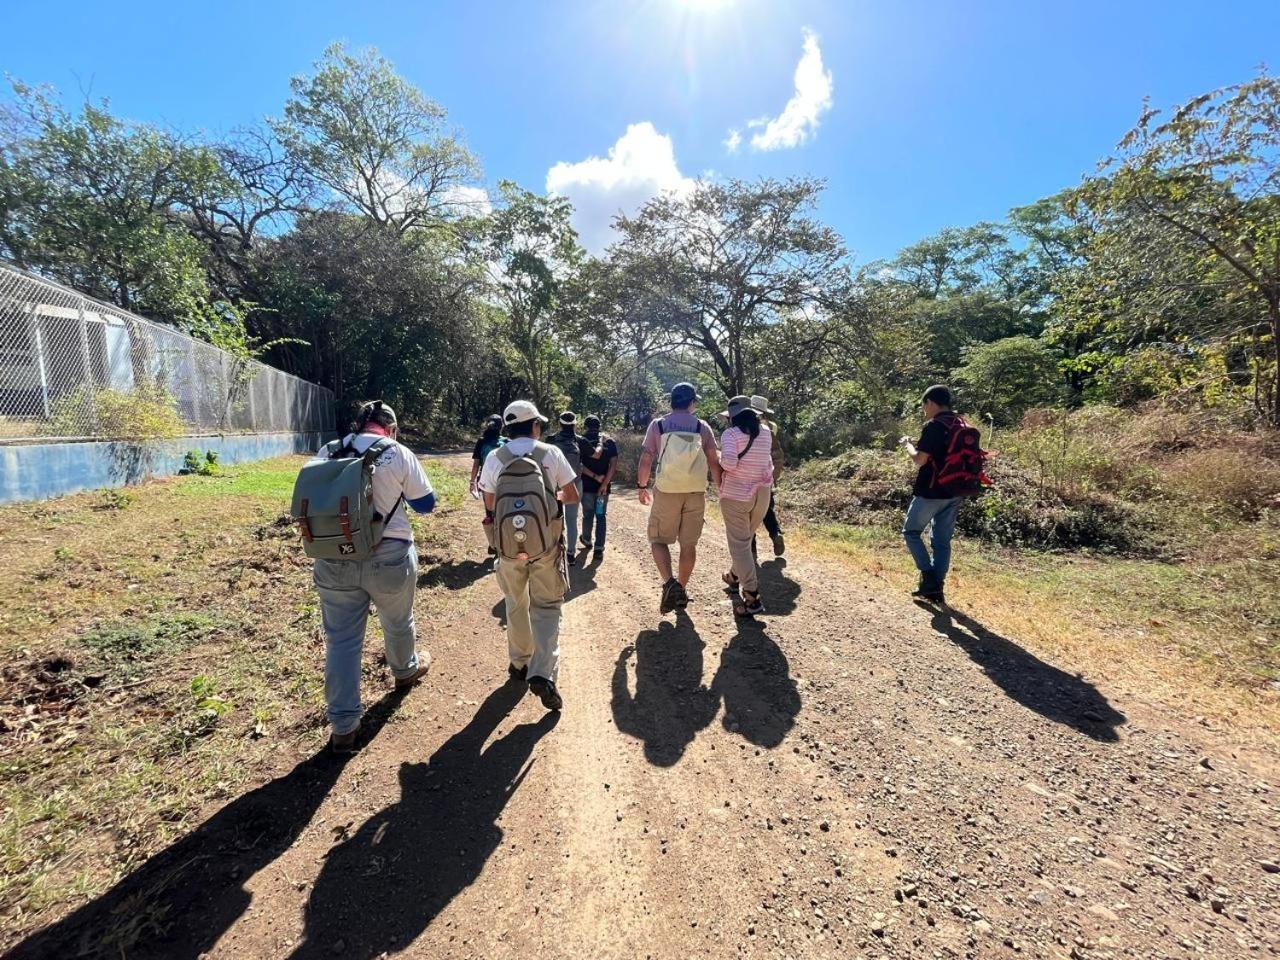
[(959, 472)]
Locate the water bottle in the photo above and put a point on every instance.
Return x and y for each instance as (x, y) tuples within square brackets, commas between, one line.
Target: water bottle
[(599, 506)]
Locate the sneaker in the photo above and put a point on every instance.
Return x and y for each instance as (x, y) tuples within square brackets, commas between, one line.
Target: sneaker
[(518, 673), (572, 559), (493, 551), (344, 743), (681, 597), (585, 541), (409, 682), (929, 588), (546, 691), (779, 545), (597, 556), (669, 592)]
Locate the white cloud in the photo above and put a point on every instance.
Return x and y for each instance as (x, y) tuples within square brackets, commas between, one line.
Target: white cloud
[(641, 165), (733, 141), (799, 118), (467, 201)]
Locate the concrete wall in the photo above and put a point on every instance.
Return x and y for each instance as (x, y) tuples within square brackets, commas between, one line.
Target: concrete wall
[(37, 471)]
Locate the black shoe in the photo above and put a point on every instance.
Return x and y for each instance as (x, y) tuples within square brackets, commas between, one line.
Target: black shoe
[(519, 673), (597, 556), (546, 691), (681, 597), (493, 551), (586, 544), (669, 592), (779, 545), (929, 588), (572, 559)]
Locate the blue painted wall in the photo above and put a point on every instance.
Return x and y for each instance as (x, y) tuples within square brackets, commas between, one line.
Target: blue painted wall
[(37, 471)]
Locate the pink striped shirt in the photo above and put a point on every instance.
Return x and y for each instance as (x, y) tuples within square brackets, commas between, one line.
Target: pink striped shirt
[(744, 475)]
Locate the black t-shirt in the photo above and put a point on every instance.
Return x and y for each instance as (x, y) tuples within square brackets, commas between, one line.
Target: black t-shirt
[(934, 439), (484, 446), (608, 452)]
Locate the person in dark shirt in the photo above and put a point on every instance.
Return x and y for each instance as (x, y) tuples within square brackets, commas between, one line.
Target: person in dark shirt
[(929, 504), (490, 440), (599, 461)]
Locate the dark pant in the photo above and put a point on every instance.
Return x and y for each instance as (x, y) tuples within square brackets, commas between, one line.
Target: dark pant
[(594, 521), (771, 525)]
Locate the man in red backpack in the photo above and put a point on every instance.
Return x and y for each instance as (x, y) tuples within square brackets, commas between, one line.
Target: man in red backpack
[(946, 476)]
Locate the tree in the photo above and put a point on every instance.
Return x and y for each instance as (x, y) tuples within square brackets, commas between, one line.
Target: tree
[(92, 200), (1006, 378), (730, 260), (376, 142), (532, 252), (1199, 195)]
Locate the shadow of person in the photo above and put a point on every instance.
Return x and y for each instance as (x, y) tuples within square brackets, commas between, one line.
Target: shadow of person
[(183, 899), (454, 574), (582, 578), (778, 591), (1054, 694), (499, 612), (382, 887), (671, 703), (761, 701)]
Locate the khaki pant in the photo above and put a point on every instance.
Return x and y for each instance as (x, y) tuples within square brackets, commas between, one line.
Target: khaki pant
[(534, 590), (677, 518), (742, 518)]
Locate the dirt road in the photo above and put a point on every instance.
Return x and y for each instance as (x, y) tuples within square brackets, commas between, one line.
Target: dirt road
[(847, 775)]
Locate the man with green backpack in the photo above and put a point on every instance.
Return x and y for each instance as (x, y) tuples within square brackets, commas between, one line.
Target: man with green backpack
[(526, 485), (679, 450), (349, 504)]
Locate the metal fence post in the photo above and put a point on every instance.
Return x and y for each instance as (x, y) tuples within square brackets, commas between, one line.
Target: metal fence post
[(91, 401)]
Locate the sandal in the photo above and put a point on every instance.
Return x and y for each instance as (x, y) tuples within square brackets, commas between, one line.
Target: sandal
[(747, 604), (731, 583)]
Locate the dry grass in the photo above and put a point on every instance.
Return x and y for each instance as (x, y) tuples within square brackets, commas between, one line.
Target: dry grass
[(157, 647)]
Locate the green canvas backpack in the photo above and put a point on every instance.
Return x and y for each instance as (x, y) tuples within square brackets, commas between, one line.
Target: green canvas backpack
[(528, 521), (333, 502)]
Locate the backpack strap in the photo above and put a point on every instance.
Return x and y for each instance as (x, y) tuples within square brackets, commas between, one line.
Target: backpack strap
[(505, 456), (376, 449)]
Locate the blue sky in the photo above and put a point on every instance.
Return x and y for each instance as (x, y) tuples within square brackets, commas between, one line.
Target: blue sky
[(939, 113)]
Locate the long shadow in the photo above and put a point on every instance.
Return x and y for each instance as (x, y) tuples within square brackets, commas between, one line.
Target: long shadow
[(380, 889), (183, 899), (582, 578), (761, 701), (670, 704), (454, 574), (1054, 694), (778, 591)]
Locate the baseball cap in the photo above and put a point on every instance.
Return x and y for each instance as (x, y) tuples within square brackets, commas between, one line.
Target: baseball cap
[(760, 404), (736, 406), (568, 418), (683, 394), (519, 411), (591, 422)]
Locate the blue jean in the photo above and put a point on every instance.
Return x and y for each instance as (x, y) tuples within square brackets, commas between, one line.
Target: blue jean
[(595, 507), (346, 589), (571, 523), (942, 514)]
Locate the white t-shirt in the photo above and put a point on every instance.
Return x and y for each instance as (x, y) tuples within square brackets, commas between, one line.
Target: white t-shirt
[(396, 471), (554, 463)]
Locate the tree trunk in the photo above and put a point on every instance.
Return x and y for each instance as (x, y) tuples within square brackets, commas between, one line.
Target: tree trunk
[(1273, 314)]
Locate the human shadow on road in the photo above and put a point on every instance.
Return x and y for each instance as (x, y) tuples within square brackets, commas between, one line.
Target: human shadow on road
[(183, 899), (671, 703), (499, 612), (1053, 693), (582, 578), (761, 701), (778, 591), (380, 889), (454, 574)]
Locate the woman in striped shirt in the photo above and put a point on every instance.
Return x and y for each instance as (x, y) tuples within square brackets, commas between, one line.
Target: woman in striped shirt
[(746, 455)]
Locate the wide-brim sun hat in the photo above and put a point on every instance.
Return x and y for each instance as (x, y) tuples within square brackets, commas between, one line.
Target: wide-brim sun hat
[(519, 411), (568, 418), (761, 405), (736, 406)]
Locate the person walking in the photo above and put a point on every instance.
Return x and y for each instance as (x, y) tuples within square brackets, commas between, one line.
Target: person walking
[(679, 450), (521, 483), (388, 579), (745, 491), (932, 504), (771, 525), (569, 443), (599, 463), (490, 440)]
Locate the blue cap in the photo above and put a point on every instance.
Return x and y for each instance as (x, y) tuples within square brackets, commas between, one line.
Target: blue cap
[(683, 394)]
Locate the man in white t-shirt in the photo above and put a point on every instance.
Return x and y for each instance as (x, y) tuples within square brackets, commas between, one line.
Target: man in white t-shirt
[(388, 579), (534, 589)]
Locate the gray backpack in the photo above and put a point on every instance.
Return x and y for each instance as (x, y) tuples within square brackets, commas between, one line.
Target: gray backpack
[(333, 502), (527, 519)]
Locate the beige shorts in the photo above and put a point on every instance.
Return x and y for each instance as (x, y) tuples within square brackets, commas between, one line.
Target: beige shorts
[(677, 518)]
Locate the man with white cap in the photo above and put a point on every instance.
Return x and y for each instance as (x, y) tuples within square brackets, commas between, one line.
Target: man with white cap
[(533, 583)]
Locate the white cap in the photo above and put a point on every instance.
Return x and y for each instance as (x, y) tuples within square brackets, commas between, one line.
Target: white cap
[(521, 410)]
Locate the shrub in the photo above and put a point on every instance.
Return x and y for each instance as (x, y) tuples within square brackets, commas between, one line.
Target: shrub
[(148, 412), (204, 464)]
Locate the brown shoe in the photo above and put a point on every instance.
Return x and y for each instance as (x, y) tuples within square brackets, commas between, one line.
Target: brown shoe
[(344, 742), (411, 681)]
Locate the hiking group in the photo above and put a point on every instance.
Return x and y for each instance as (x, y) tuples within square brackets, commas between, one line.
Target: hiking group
[(348, 505)]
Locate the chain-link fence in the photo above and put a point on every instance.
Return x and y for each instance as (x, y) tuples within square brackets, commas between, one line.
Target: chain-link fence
[(73, 367)]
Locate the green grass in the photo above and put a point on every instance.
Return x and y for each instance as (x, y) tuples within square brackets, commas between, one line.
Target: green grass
[(449, 484), (265, 479)]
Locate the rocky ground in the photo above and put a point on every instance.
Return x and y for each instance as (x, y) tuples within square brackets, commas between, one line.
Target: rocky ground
[(847, 775)]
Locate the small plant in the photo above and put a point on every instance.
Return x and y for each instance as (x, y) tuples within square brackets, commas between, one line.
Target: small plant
[(202, 464), (148, 412), (113, 499)]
